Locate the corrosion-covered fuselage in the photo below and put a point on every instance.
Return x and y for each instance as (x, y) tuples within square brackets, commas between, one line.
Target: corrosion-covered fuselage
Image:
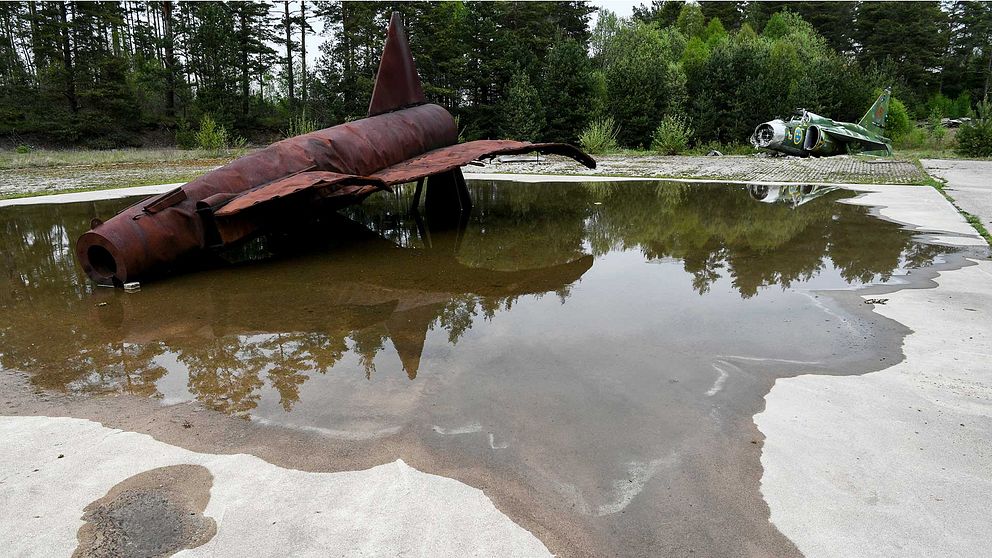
[(404, 139)]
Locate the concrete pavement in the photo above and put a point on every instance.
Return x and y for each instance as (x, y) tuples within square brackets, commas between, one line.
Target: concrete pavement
[(52, 468), (896, 462), (968, 182)]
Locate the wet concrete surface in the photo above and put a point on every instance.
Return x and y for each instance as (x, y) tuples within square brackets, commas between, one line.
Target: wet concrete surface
[(589, 355)]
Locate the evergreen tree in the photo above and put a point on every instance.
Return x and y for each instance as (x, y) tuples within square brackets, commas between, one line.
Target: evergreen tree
[(730, 13), (909, 36), (643, 80), (523, 115), (567, 88), (662, 13)]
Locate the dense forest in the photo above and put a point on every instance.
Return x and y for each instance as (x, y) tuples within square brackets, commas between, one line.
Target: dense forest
[(109, 74)]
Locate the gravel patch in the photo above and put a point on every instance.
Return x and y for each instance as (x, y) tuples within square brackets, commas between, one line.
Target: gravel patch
[(50, 180), (841, 169), (758, 168)]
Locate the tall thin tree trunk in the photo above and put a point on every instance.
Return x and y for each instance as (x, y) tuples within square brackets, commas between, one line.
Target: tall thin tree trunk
[(35, 48), (170, 61), (303, 53), (289, 56), (349, 55), (70, 76), (245, 79), (988, 74)]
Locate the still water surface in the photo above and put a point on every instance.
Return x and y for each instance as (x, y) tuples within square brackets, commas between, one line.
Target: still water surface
[(605, 344)]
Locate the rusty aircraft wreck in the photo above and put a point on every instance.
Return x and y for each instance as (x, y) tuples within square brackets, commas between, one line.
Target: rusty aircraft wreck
[(404, 139)]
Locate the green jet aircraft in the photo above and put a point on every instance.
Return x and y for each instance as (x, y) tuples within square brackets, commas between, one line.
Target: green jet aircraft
[(807, 134)]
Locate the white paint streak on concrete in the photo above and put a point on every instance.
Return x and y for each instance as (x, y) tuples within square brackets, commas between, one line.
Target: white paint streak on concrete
[(494, 445), (762, 359), (624, 489), (334, 433), (458, 430), (896, 462), (718, 384), (260, 509)]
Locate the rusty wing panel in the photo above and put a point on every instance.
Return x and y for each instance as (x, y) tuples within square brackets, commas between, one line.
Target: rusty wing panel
[(449, 158), (317, 183)]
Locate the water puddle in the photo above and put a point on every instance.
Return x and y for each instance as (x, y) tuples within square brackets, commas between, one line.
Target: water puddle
[(603, 344)]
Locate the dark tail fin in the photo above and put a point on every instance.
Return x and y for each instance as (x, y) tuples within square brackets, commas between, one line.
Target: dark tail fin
[(874, 119), (397, 84)]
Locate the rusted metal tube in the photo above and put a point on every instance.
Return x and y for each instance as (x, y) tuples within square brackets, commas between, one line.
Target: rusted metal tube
[(150, 236)]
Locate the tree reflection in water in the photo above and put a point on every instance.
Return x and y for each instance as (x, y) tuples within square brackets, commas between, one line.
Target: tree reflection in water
[(381, 278)]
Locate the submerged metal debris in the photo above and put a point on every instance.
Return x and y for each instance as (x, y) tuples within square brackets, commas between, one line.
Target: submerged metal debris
[(404, 139)]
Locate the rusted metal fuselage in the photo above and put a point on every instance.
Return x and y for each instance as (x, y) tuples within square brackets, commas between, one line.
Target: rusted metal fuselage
[(150, 236), (404, 139)]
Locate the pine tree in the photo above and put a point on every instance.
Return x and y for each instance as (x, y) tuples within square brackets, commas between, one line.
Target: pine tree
[(523, 115)]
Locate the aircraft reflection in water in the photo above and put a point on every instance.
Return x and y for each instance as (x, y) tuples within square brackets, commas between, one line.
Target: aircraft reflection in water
[(792, 195), (380, 282), (369, 281)]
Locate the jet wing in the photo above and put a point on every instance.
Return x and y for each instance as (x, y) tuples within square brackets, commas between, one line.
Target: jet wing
[(843, 135), (454, 156), (319, 184), (325, 184)]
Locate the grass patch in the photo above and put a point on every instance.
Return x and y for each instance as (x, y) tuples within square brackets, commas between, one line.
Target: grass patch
[(43, 158)]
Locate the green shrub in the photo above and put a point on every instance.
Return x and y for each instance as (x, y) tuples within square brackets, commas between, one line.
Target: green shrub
[(185, 136), (975, 137), (211, 136), (671, 137), (600, 136), (935, 129), (299, 125), (897, 123), (23, 149), (962, 106), (915, 138)]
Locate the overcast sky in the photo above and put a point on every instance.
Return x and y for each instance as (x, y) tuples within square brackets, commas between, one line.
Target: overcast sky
[(620, 7)]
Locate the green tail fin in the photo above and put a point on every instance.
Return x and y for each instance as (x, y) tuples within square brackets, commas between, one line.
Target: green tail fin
[(874, 119)]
